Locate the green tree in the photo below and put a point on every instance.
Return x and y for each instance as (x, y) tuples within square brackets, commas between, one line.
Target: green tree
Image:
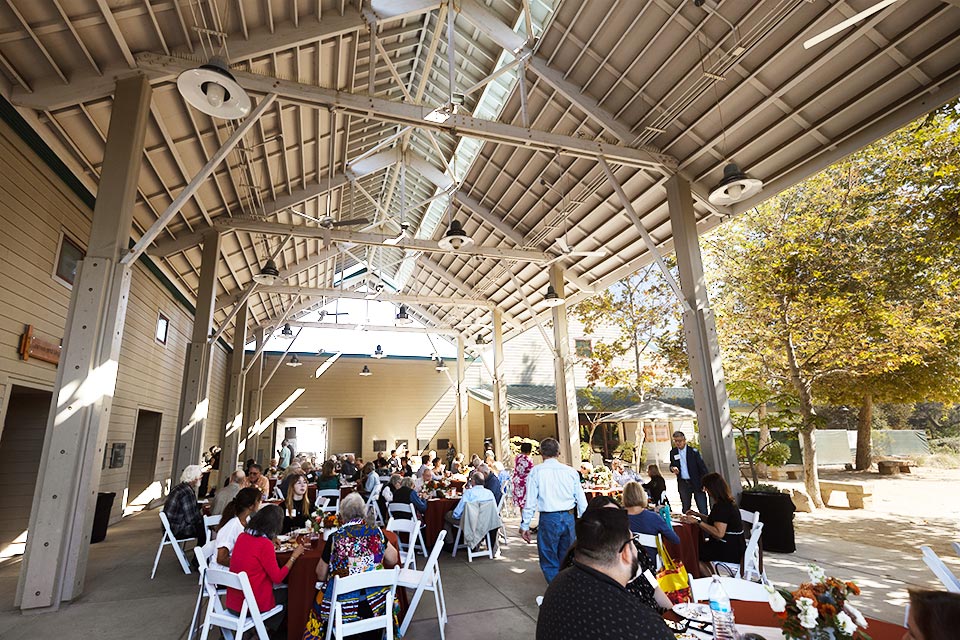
[(843, 285)]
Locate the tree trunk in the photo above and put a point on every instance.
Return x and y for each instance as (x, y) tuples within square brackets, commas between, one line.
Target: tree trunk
[(808, 439), (764, 436), (864, 428)]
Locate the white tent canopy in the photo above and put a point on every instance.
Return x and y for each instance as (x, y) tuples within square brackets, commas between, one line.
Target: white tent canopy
[(651, 410)]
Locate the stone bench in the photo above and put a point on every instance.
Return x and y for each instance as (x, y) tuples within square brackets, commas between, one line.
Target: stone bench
[(859, 494), (791, 471), (892, 467)]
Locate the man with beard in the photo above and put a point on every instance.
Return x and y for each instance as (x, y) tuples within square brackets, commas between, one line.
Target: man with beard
[(589, 600)]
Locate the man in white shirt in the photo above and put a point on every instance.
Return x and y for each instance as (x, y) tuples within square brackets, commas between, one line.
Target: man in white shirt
[(475, 493), (554, 490)]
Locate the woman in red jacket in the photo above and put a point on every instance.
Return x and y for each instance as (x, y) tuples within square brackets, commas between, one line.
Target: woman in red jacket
[(255, 554)]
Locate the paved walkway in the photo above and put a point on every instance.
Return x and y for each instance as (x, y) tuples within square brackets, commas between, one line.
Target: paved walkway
[(488, 599)]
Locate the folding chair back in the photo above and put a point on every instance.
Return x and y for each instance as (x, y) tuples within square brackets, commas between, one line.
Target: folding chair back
[(366, 580), (750, 517), (939, 569), (956, 547), (329, 498), (736, 589), (408, 549), (204, 555), (649, 541), (426, 580), (372, 504), (400, 511), (249, 617), (752, 566), (209, 522), (169, 539)]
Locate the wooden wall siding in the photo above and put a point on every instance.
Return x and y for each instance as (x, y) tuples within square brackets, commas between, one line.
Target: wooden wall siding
[(345, 435), (34, 207), (391, 402)]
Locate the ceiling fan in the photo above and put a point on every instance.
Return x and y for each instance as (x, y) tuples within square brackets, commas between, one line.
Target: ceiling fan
[(328, 222), (567, 250), (849, 22)]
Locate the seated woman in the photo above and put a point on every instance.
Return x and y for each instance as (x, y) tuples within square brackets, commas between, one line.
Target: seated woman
[(724, 543), (642, 520), (255, 554), (406, 495), (438, 468), (369, 480), (354, 548), (386, 494), (657, 487), (934, 615), (621, 475), (329, 478), (289, 475), (296, 505), (233, 521), (307, 467), (586, 473)]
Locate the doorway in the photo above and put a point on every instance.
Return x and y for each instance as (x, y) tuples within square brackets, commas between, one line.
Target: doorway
[(143, 464), (21, 446)]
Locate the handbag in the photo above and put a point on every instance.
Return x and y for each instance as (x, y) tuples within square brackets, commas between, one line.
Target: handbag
[(673, 578)]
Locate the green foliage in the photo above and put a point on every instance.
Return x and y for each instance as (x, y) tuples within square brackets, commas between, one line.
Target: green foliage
[(626, 451), (586, 450), (769, 410), (765, 488), (516, 441)]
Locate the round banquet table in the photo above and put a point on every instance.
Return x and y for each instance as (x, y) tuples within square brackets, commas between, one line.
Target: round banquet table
[(759, 614), (592, 493), (302, 587), (688, 551), (346, 490), (437, 508)]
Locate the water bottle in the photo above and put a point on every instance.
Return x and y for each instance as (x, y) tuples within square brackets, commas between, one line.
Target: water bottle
[(724, 627)]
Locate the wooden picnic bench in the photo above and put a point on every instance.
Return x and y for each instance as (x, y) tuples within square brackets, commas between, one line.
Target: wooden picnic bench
[(859, 494)]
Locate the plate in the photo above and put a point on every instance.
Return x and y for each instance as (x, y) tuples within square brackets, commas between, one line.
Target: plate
[(285, 548), (686, 635), (691, 611), (283, 537)]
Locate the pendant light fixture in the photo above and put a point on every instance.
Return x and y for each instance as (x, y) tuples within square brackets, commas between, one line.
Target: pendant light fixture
[(378, 354), (294, 361), (366, 371), (402, 316), (212, 89), (552, 299), (455, 238), (441, 365), (268, 274), (286, 333), (736, 186)]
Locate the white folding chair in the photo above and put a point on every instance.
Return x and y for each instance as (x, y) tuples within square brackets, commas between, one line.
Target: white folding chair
[(471, 553), (736, 589), (939, 569), (230, 623), (277, 493), (329, 498), (169, 539), (395, 509), (372, 505), (750, 517), (366, 580), (204, 554), (209, 523), (408, 549), (649, 541), (956, 547), (750, 568), (502, 531), (426, 580)]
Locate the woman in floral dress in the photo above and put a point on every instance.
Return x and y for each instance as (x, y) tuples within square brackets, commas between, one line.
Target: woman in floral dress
[(354, 548), (521, 470)]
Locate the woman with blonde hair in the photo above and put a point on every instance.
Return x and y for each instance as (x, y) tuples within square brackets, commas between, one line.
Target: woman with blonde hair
[(296, 505), (643, 520)]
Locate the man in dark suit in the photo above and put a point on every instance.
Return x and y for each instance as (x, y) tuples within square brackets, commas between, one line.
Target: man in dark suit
[(689, 467)]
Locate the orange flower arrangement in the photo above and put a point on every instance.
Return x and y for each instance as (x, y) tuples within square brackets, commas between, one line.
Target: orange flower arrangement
[(818, 610)]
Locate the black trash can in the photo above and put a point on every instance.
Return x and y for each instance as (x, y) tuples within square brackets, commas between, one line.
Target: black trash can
[(101, 516), (775, 511)]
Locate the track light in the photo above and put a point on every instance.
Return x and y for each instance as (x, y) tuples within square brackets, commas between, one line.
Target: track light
[(552, 299), (366, 371), (212, 89), (402, 316), (268, 274), (455, 238), (294, 361), (379, 353), (736, 186)]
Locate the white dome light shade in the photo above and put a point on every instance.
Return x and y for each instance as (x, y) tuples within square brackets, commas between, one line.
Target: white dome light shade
[(379, 353), (211, 89), (455, 238), (402, 316), (441, 365), (294, 361), (736, 186), (366, 371), (268, 275), (552, 299)]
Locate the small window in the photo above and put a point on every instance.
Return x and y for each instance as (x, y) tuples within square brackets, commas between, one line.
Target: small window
[(443, 444), (583, 348), (379, 445), (163, 324), (69, 256)]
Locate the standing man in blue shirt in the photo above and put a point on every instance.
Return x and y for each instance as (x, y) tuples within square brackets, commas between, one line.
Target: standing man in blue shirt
[(554, 490), (689, 468)]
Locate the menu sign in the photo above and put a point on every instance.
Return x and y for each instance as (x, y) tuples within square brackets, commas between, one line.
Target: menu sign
[(32, 346)]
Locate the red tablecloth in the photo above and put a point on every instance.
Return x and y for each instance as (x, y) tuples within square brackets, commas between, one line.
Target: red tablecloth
[(689, 548), (760, 614), (436, 510), (345, 491), (273, 483), (593, 493), (302, 589)]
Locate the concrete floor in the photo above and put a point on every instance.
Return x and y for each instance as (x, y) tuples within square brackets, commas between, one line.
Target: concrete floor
[(489, 599)]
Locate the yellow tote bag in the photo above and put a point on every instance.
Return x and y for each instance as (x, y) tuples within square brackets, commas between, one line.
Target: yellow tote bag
[(673, 578)]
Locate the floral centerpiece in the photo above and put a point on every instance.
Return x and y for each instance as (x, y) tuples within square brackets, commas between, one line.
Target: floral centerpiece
[(601, 477), (321, 521), (819, 609), (436, 487)]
